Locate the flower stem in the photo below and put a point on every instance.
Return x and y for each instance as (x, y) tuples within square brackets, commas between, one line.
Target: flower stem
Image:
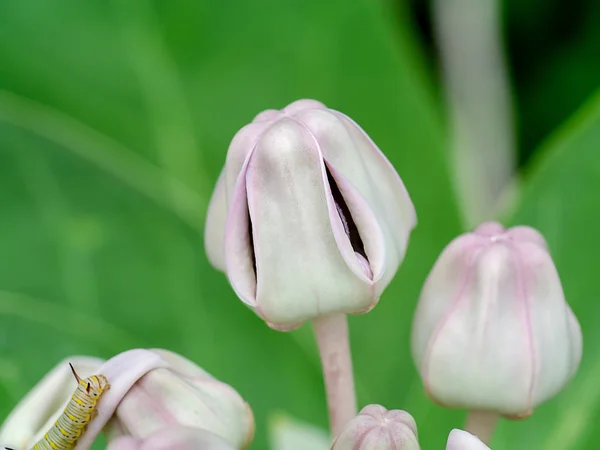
[(482, 424), (470, 41), (332, 338)]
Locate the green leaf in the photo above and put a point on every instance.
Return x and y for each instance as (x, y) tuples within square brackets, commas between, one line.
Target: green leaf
[(561, 199), (115, 118)]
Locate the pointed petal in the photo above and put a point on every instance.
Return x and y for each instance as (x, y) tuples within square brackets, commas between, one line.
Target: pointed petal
[(367, 225), (267, 115), (481, 355), (214, 230), (556, 337), (301, 105), (239, 149), (527, 234), (461, 440), (347, 148), (440, 292), (239, 244), (122, 372), (301, 272)]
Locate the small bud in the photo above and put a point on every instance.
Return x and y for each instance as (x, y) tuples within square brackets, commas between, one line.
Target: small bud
[(308, 217), (493, 331), (174, 437), (376, 428), (461, 440)]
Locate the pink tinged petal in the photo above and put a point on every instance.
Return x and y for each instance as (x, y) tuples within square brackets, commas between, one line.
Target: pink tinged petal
[(556, 333), (173, 438), (489, 229), (442, 290), (481, 357), (300, 270), (239, 150), (302, 105), (122, 372), (368, 228), (461, 440), (214, 231), (348, 149), (376, 428), (181, 365), (125, 443), (239, 245), (268, 115), (527, 234)]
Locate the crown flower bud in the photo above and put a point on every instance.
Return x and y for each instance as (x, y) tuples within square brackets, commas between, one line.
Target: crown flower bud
[(492, 331), (461, 440), (149, 390), (308, 217), (376, 428), (184, 394)]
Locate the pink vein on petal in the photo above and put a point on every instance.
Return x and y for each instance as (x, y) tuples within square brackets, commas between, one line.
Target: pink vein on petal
[(522, 294), (455, 303)]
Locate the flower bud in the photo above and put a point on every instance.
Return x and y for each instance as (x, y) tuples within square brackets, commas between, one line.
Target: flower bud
[(493, 331), (184, 394), (175, 437), (461, 440), (308, 217), (149, 390), (376, 428)]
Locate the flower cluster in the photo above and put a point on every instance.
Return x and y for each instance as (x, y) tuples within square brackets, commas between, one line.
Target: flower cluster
[(310, 222)]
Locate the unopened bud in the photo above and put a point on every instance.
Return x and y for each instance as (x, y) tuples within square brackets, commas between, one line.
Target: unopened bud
[(493, 331), (376, 428)]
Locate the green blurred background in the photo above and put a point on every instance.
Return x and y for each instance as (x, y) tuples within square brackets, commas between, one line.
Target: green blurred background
[(115, 117)]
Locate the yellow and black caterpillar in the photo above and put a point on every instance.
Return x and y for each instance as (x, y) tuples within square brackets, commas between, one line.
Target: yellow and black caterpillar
[(79, 411)]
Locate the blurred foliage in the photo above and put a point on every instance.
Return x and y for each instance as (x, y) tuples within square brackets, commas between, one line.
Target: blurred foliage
[(561, 200), (552, 49), (114, 122)]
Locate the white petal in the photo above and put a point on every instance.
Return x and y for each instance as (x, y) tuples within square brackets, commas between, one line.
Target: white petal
[(439, 292), (122, 372), (301, 273), (367, 226), (480, 355), (555, 332), (174, 437), (354, 155), (303, 105), (214, 231), (239, 245), (461, 440), (240, 148)]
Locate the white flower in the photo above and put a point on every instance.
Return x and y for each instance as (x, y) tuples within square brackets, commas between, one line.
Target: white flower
[(493, 331), (149, 390), (308, 217)]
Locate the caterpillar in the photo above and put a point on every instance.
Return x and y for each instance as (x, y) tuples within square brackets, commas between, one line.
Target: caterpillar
[(77, 414)]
